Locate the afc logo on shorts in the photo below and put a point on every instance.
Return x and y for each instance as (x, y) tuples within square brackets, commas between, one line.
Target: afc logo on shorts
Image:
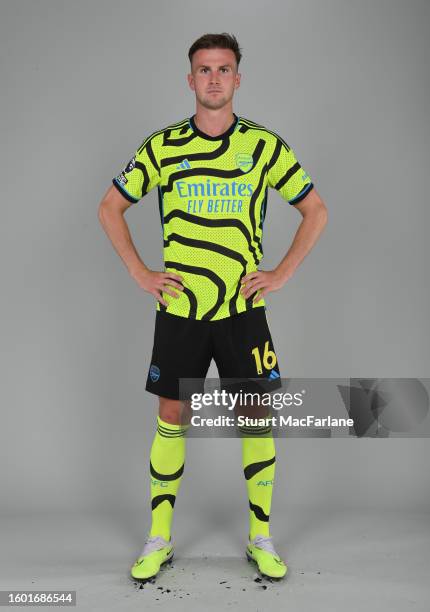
[(154, 373)]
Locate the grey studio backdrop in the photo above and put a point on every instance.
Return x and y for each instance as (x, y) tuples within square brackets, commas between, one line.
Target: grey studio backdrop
[(346, 84)]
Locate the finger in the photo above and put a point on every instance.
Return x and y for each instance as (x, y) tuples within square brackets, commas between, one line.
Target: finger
[(173, 283), (170, 292), (172, 275), (162, 283), (160, 298), (257, 279), (249, 285), (249, 277), (250, 290), (260, 295)]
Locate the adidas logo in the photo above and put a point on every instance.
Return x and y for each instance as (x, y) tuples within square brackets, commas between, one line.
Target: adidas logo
[(184, 165), (273, 375)]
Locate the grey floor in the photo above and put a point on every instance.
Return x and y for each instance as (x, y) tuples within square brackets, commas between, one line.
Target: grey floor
[(337, 560)]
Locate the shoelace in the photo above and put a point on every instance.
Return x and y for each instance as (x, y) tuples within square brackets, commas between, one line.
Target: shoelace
[(154, 543), (265, 543)]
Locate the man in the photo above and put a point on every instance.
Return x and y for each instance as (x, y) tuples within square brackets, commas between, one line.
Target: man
[(212, 171)]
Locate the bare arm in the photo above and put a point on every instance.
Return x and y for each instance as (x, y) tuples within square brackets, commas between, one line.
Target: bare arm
[(314, 213), (111, 216)]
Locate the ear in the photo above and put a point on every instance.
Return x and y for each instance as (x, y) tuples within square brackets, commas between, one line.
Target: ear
[(190, 79), (237, 83)]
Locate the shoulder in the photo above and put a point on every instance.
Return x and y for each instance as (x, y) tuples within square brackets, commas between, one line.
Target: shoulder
[(272, 137), (179, 127), (159, 137)]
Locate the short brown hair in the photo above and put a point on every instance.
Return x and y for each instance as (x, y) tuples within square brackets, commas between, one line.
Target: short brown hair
[(216, 41)]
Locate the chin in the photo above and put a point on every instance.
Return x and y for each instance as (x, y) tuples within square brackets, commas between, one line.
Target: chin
[(215, 104)]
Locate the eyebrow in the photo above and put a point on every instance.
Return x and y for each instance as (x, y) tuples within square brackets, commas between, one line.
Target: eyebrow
[(223, 66)]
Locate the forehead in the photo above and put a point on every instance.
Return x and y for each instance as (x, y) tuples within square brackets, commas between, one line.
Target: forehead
[(213, 57)]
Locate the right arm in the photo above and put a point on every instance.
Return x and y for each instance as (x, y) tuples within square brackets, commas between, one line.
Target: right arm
[(111, 216)]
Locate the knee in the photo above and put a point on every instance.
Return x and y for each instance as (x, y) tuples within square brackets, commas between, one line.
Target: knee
[(172, 411)]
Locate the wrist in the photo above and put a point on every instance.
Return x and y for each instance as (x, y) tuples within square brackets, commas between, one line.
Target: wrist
[(284, 272), (137, 268)]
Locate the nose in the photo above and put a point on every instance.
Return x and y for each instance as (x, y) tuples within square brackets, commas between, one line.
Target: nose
[(214, 78)]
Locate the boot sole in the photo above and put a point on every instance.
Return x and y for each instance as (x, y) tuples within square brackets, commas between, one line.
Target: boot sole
[(143, 580), (277, 578)]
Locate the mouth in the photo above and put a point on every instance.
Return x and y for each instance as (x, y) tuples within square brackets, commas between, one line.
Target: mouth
[(215, 91)]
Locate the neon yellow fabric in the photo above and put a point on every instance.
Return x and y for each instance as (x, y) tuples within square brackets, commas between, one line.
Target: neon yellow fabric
[(258, 461), (212, 195), (167, 461)]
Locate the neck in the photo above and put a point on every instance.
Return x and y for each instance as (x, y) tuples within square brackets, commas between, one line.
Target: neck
[(213, 122)]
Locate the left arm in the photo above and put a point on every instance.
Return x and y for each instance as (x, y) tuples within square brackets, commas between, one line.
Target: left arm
[(314, 213)]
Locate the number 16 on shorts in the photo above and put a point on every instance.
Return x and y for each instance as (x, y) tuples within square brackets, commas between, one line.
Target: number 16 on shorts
[(268, 359)]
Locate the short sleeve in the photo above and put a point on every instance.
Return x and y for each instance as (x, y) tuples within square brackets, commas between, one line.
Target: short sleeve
[(141, 174), (286, 175)]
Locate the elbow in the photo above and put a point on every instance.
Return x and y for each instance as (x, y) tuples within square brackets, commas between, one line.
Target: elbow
[(324, 214), (323, 219), (102, 212)]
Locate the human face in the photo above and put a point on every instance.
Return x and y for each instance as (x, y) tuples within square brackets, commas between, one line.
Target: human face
[(214, 77)]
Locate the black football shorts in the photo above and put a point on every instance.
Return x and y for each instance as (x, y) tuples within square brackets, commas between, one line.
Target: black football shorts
[(241, 346)]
